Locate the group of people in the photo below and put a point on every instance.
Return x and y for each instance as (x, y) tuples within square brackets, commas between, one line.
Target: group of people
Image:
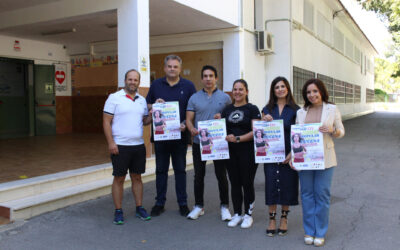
[(125, 113)]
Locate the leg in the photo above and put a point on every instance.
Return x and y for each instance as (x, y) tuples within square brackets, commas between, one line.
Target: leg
[(162, 165), (236, 187), (271, 230), (308, 200), (220, 173), (137, 188), (199, 173), (179, 164), (117, 190), (322, 184)]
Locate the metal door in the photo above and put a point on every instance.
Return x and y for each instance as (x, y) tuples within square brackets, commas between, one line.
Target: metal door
[(14, 116), (45, 100)]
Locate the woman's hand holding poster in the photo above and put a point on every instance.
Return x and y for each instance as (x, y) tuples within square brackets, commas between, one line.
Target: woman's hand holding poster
[(307, 147), (166, 121), (269, 141), (213, 145)]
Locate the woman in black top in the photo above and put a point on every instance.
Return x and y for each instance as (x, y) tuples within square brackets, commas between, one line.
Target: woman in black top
[(241, 165), (281, 182)]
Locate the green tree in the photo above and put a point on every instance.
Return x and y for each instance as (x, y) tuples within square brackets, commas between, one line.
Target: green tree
[(384, 79), (389, 12)]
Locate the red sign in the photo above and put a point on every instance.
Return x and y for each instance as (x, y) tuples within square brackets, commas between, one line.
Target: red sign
[(60, 76)]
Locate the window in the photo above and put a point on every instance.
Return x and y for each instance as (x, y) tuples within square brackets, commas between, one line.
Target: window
[(349, 49), (357, 55), (370, 95), (323, 28), (308, 15), (300, 76), (357, 94), (339, 91), (338, 40), (349, 93), (328, 81)]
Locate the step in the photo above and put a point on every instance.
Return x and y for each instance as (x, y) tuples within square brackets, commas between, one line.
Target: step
[(78, 186)]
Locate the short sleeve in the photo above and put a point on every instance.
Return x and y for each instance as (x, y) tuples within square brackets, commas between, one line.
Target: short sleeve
[(255, 112), (228, 100), (150, 95), (110, 105), (146, 110), (265, 111), (191, 106)]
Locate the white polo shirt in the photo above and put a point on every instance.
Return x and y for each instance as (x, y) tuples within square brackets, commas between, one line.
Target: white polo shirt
[(127, 123)]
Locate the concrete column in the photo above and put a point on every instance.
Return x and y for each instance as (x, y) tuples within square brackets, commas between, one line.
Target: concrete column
[(133, 40)]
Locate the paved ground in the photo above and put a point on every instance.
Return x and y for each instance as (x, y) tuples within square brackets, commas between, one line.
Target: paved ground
[(365, 211)]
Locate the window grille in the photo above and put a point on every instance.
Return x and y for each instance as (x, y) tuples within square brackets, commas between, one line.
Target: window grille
[(339, 91), (300, 76), (328, 81)]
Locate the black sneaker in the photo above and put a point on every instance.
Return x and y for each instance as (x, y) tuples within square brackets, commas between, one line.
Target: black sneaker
[(184, 210), (118, 217), (157, 210), (142, 213)]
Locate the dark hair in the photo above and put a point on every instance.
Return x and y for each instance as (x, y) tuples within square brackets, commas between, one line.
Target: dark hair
[(259, 130), (205, 130), (131, 70), (273, 99), (159, 112), (246, 86), (209, 67), (299, 135), (321, 88), (172, 57)]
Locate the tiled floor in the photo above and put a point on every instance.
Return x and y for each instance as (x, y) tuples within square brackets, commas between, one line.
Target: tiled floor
[(40, 155)]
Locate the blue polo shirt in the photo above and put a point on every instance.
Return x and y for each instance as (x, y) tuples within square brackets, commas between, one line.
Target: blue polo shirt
[(180, 92)]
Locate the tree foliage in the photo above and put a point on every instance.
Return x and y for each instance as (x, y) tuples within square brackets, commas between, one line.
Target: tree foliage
[(389, 12)]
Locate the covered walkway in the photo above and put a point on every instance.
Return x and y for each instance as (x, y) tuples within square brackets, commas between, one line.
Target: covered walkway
[(40, 155)]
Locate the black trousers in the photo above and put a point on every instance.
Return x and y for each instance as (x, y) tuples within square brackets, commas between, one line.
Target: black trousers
[(242, 171), (200, 172)]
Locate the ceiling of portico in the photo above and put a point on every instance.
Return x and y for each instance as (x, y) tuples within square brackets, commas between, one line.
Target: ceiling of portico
[(166, 17)]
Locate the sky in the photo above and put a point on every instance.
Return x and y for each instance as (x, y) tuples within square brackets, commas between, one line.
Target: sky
[(371, 25)]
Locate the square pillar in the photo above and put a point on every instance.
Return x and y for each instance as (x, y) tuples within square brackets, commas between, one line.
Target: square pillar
[(133, 40)]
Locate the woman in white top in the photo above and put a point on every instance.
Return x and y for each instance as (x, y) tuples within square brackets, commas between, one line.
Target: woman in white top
[(315, 184)]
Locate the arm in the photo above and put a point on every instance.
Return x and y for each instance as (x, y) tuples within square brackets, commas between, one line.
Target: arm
[(189, 123), (338, 131), (146, 120), (112, 146)]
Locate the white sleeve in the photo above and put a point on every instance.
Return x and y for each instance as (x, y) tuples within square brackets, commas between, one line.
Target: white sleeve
[(109, 107)]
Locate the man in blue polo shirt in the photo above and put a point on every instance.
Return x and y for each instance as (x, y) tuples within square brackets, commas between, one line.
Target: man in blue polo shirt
[(171, 88), (124, 115), (207, 104)]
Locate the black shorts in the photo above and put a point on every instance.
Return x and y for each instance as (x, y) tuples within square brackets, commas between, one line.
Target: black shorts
[(129, 157)]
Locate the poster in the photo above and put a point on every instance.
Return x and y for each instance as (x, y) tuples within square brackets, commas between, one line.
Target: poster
[(212, 134), (166, 121), (269, 141), (307, 147), (60, 77)]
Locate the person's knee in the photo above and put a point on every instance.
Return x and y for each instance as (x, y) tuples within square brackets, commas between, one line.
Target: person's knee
[(136, 178), (119, 180)]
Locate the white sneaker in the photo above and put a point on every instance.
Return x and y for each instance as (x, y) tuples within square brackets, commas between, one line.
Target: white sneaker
[(247, 221), (195, 213), (225, 214), (236, 219), (251, 207)]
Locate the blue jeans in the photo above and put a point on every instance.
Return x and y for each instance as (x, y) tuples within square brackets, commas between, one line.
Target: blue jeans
[(177, 151), (315, 198)]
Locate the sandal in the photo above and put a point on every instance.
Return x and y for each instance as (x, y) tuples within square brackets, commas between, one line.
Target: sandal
[(271, 232), (283, 232)]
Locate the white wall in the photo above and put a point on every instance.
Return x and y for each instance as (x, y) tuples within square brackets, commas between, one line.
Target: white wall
[(226, 10), (39, 52), (320, 57)]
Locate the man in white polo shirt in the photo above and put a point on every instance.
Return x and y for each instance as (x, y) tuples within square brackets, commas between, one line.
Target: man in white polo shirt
[(124, 115)]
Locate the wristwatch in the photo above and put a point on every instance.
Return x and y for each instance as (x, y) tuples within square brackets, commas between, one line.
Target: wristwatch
[(237, 139)]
